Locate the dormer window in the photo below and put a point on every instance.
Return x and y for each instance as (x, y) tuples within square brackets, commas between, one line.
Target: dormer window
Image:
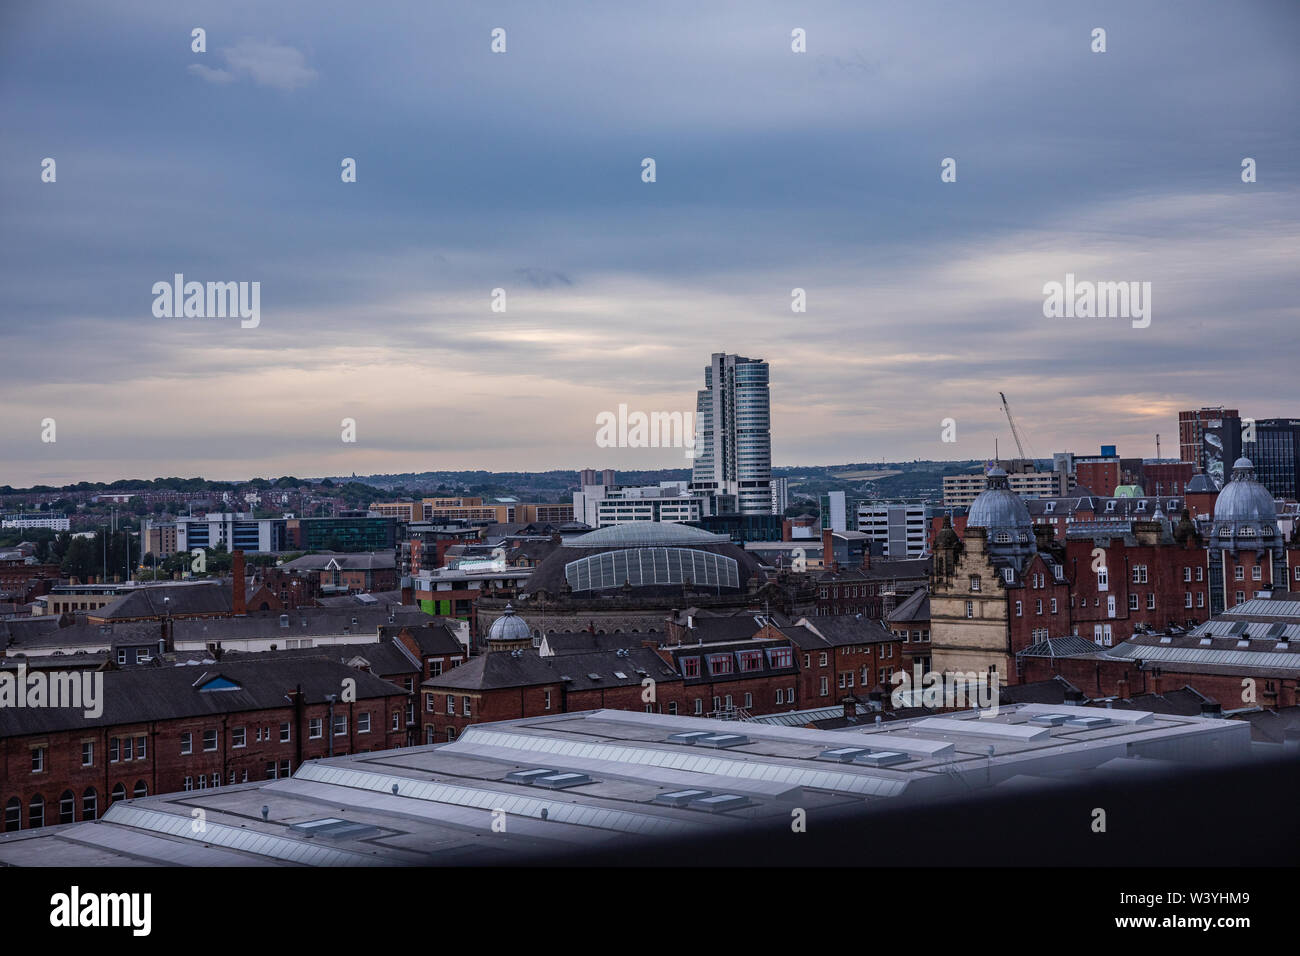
[(1002, 537)]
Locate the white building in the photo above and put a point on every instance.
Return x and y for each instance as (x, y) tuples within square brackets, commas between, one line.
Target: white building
[(900, 527), (780, 495), (670, 501), (231, 530), (733, 440), (54, 520)]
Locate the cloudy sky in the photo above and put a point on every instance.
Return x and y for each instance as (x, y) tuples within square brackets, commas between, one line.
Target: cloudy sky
[(522, 171)]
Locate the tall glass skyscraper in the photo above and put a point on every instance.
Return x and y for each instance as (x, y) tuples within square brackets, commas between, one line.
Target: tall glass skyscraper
[(733, 439)]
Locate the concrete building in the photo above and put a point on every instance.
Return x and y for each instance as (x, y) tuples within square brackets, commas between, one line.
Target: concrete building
[(1192, 427), (959, 491), (52, 520), (733, 442), (900, 528), (231, 530)]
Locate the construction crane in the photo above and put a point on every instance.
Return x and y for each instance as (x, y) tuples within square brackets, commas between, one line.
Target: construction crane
[(1012, 422)]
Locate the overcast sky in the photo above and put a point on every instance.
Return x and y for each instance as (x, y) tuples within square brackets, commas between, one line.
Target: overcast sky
[(522, 171)]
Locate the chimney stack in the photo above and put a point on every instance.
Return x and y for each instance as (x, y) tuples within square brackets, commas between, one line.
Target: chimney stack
[(237, 582), (828, 550)]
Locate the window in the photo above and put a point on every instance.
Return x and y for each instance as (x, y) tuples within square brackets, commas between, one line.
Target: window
[(1239, 573), (721, 664), (1053, 605), (1241, 596), (285, 732), (239, 737), (428, 704), (121, 655), (1110, 605), (822, 661), (89, 804), (408, 684), (142, 789), (749, 701), (807, 658), (187, 743), (1200, 573), (672, 707), (970, 608), (1008, 575), (272, 771), (363, 723), (38, 759), (1187, 599), (1019, 609), (1038, 605), (690, 667), (1140, 574), (113, 750), (435, 667), (397, 715), (781, 656), (139, 748), (88, 753), (451, 705), (699, 706), (1151, 601), (1200, 599), (751, 660), (824, 689), (189, 783), (1256, 573), (67, 807), (209, 740), (974, 582), (314, 726), (127, 749), (340, 725), (13, 815), (546, 700), (464, 707), (36, 812), (1187, 574), (1132, 602)]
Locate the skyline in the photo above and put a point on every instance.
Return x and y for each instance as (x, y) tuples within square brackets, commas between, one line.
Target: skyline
[(775, 171)]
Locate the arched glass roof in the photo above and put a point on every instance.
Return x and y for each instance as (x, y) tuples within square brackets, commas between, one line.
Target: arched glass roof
[(634, 534), (643, 567)]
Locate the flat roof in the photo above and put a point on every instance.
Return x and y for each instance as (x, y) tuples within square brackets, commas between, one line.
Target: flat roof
[(539, 786)]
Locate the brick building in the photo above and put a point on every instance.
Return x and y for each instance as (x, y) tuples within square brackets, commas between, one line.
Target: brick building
[(170, 729)]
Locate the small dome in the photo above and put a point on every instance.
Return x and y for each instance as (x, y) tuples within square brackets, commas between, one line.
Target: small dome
[(997, 507), (1245, 499), (509, 627)]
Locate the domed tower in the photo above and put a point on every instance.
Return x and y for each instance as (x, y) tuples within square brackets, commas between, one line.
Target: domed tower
[(1247, 553), (1008, 528), (509, 632)]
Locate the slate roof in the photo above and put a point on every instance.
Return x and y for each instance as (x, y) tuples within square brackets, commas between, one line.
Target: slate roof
[(915, 607), (1068, 646), (182, 599), (141, 695), (846, 631), (348, 561)]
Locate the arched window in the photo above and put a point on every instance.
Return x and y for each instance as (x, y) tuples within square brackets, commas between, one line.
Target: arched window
[(13, 815), (140, 789), (89, 804), (67, 807), (119, 793), (36, 812)]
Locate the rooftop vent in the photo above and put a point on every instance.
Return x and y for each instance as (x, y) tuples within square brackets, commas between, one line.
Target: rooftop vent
[(561, 781), (687, 737), (529, 776), (842, 754), (881, 758), (722, 741), (1049, 720), (719, 803), (1089, 723), (680, 798)]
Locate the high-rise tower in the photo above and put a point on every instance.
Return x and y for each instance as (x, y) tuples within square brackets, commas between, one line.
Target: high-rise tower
[(733, 441)]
